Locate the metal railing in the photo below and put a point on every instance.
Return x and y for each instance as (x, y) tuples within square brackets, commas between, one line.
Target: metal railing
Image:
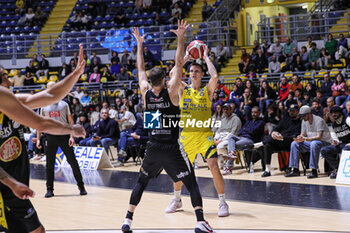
[(299, 27), (225, 10), (104, 41), (322, 5)]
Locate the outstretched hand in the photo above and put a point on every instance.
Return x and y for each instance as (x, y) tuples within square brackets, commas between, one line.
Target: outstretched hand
[(181, 28), (78, 131), (205, 55), (81, 61), (137, 35)]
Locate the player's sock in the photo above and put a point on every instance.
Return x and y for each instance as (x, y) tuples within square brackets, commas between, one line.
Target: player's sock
[(268, 167), (222, 198), (177, 195), (199, 215), (129, 215)]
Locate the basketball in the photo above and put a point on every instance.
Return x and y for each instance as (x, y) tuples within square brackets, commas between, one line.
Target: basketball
[(196, 49)]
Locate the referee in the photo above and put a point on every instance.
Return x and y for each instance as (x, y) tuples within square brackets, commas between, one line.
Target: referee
[(60, 112)]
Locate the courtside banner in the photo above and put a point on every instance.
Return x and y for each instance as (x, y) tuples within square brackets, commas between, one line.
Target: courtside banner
[(343, 175), (91, 158)]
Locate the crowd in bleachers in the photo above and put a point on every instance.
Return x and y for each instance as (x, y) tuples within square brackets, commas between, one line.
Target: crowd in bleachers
[(276, 58)]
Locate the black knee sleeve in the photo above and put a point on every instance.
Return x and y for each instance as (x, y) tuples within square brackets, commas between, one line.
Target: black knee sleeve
[(138, 189), (192, 186)]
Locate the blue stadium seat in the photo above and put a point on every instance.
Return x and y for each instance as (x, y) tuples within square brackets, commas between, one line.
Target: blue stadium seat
[(99, 18), (149, 22), (164, 14), (153, 14), (140, 22), (108, 18), (12, 23), (130, 4)]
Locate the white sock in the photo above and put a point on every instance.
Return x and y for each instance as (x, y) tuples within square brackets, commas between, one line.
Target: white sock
[(222, 198), (177, 195), (268, 167)]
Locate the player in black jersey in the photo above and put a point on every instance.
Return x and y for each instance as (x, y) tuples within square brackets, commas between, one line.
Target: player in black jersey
[(15, 111), (163, 149)]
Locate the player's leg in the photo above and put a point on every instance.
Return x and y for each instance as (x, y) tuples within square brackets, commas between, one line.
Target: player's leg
[(51, 150), (72, 160), (176, 203)]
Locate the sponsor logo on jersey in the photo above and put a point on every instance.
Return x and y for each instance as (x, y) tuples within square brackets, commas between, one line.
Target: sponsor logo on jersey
[(11, 149), (55, 114)]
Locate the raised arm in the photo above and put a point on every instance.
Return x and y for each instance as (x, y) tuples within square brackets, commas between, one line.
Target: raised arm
[(20, 113), (143, 81), (176, 80), (212, 72), (56, 92)]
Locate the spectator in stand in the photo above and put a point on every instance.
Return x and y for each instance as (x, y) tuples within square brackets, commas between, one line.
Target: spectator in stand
[(274, 66), (43, 67), (101, 8), (224, 54), (176, 14), (284, 89), (314, 135), (85, 21), (298, 65), (35, 61), (340, 91), (95, 76), (214, 60), (298, 96), (290, 100), (327, 117), (326, 88), (63, 71), (281, 112), (281, 137), (115, 69), (107, 133), (206, 10), (251, 75), (309, 43), (216, 101), (265, 47), (275, 50), (125, 59), (266, 96), (91, 11), (233, 97), (304, 55), (83, 121), (245, 61), (94, 56), (240, 88), (136, 99), (78, 93), (316, 108), (296, 83), (20, 7), (149, 58), (138, 7), (76, 108), (255, 49), (128, 120), (85, 100), (31, 68), (132, 58), (18, 79), (287, 51), (29, 80), (310, 87), (120, 18), (106, 75), (115, 57), (217, 116), (94, 65), (123, 75), (307, 99), (39, 17), (29, 17), (331, 46), (341, 126), (222, 91), (270, 118), (260, 61), (147, 5), (343, 47), (324, 57), (314, 56), (75, 21), (249, 101)]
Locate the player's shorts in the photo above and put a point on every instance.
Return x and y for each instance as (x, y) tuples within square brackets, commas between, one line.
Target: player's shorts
[(198, 142), (20, 215), (169, 157)]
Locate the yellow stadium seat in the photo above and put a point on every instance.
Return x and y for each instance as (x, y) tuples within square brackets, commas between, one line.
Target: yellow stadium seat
[(264, 75), (42, 80), (321, 73), (308, 75), (35, 79), (53, 78), (6, 71), (130, 73), (12, 73), (83, 78), (304, 82), (283, 64), (348, 82), (288, 74), (103, 79), (334, 72), (340, 65), (53, 72)]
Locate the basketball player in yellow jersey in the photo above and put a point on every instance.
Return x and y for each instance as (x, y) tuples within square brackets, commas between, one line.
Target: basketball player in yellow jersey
[(196, 137)]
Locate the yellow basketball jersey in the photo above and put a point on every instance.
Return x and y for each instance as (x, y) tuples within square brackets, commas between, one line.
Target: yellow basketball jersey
[(195, 110)]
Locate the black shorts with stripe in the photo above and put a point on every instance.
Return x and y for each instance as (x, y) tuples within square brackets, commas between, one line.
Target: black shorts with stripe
[(169, 157)]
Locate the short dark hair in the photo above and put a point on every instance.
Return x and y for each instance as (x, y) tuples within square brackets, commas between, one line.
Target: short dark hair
[(313, 44), (156, 75), (197, 64), (315, 100)]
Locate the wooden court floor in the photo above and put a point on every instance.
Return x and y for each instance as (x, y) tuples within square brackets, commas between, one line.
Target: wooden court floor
[(104, 208)]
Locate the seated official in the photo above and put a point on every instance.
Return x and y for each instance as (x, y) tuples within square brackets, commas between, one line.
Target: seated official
[(107, 131), (83, 121), (128, 119), (314, 135), (341, 127), (282, 136)]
